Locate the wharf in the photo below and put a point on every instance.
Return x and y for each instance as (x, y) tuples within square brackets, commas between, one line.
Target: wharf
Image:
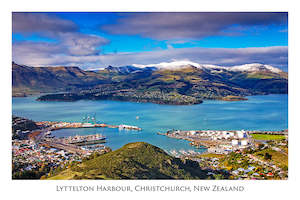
[(71, 144), (203, 144), (213, 140), (90, 142), (65, 125), (82, 140), (220, 141), (197, 142)]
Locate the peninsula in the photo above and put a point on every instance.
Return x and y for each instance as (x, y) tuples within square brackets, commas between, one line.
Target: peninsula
[(178, 83)]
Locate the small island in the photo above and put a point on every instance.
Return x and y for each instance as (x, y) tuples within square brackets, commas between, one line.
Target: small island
[(234, 98), (158, 97), (19, 94)]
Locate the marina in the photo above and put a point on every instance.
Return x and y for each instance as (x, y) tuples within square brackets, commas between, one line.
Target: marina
[(72, 144), (82, 140)]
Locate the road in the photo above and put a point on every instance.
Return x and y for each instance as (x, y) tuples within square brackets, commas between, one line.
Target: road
[(67, 147)]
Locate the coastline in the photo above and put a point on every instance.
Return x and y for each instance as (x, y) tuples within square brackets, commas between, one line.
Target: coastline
[(71, 97)]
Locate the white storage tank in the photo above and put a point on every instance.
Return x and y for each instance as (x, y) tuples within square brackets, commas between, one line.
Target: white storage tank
[(234, 142), (244, 142), (241, 134), (192, 132)]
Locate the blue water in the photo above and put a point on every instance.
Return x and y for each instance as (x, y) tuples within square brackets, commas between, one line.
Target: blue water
[(268, 112)]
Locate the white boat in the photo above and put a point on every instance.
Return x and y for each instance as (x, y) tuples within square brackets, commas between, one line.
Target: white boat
[(87, 125)]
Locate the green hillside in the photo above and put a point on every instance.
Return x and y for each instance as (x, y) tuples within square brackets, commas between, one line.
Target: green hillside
[(138, 160), (51, 79)]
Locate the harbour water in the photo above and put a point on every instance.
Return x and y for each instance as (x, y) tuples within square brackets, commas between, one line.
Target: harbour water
[(269, 112)]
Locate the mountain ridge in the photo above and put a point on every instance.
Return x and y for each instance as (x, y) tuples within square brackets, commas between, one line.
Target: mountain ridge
[(180, 64), (51, 79), (185, 85)]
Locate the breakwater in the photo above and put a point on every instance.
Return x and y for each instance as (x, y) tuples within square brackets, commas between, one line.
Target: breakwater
[(63, 125)]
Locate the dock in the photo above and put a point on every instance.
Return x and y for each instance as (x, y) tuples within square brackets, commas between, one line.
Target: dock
[(81, 140), (220, 141), (64, 125), (91, 142), (73, 144)]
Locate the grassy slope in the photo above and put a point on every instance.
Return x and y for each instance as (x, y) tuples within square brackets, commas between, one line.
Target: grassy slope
[(211, 155), (267, 137), (134, 161), (278, 158), (51, 79)]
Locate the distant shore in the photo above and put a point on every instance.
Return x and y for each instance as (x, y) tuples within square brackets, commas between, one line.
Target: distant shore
[(168, 99), (152, 97)]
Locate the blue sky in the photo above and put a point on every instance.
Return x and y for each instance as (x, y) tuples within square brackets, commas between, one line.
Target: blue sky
[(271, 35), (95, 40)]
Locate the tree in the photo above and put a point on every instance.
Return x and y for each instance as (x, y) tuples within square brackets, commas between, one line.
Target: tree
[(42, 168), (267, 156), (261, 146), (219, 177)]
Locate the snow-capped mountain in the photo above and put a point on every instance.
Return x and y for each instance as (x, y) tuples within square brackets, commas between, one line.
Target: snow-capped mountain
[(209, 82), (170, 65), (255, 67), (123, 69), (177, 65), (129, 69), (181, 64)]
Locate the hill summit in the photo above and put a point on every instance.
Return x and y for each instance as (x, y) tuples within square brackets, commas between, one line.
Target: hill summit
[(137, 160)]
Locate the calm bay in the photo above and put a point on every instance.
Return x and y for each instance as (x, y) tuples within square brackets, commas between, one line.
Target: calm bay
[(269, 112)]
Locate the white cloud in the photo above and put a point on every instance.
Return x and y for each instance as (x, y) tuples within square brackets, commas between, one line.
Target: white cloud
[(71, 46), (24, 53), (41, 23), (82, 44), (69, 40)]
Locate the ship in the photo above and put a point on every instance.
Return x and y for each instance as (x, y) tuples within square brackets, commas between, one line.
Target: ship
[(89, 122), (124, 126), (89, 140)]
